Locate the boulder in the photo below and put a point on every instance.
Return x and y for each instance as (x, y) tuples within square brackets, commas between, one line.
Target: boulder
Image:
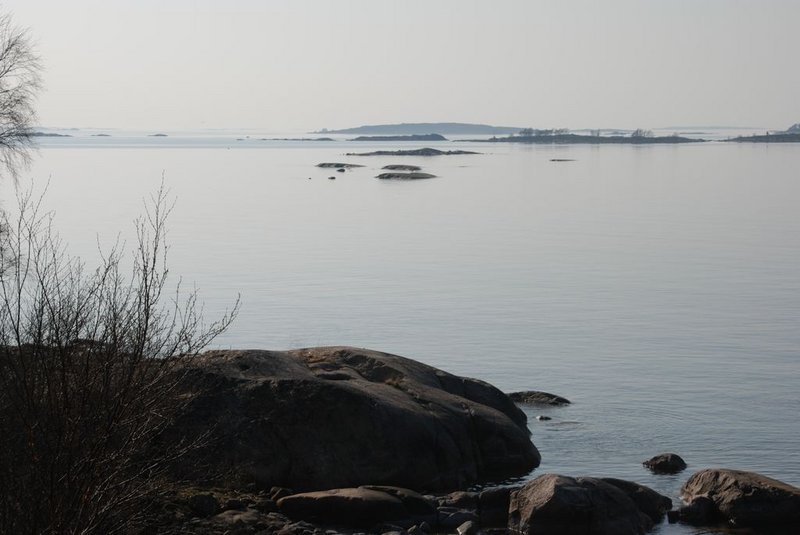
[(646, 499), (741, 498), (336, 417), (558, 505), (493, 506), (665, 463), (469, 527), (346, 507), (534, 397)]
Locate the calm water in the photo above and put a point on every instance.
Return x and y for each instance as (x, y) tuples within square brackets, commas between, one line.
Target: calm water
[(657, 287)]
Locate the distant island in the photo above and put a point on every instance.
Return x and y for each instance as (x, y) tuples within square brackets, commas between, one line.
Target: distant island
[(768, 138), (452, 129), (413, 152), (297, 139), (564, 137), (47, 134), (790, 135), (412, 137), (157, 135), (101, 135)]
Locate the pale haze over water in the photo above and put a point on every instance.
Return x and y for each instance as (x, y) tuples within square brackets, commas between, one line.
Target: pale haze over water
[(656, 286), (299, 65)]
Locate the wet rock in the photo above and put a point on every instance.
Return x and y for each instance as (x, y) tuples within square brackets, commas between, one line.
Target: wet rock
[(743, 498), (665, 463), (543, 418), (702, 511), (534, 397), (558, 505)]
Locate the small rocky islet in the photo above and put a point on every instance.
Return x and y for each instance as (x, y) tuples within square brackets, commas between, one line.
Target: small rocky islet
[(330, 440)]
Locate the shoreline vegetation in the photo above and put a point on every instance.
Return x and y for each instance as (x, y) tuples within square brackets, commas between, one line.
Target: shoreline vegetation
[(413, 137), (781, 137)]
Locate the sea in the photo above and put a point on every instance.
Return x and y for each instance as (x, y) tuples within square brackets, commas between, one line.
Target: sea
[(655, 286)]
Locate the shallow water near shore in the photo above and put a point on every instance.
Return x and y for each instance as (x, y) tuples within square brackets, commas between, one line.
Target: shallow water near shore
[(657, 287)]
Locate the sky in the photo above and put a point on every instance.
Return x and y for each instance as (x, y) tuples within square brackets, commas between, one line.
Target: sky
[(299, 65)]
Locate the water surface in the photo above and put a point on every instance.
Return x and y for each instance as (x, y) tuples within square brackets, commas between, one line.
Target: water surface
[(657, 287)]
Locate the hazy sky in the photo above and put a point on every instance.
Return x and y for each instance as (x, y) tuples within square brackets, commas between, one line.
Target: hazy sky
[(298, 64)]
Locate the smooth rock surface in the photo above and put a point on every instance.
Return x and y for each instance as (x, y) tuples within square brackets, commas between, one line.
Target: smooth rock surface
[(337, 417), (741, 498), (553, 504)]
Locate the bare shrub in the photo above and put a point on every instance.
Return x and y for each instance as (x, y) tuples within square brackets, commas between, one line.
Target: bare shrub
[(90, 365), (20, 82)]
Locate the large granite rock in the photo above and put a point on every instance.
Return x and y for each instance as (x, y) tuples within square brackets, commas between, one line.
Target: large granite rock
[(558, 505), (330, 417), (740, 498)]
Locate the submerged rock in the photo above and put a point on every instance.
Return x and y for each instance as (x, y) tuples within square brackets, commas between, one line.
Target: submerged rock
[(534, 397), (402, 167), (740, 498), (333, 417), (404, 176), (338, 165), (558, 505), (666, 463)]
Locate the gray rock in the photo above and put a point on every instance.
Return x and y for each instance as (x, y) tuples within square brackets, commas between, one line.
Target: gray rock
[(469, 527), (557, 505), (398, 175), (347, 507), (451, 517), (742, 498), (646, 499), (286, 419), (459, 500), (665, 463), (416, 504)]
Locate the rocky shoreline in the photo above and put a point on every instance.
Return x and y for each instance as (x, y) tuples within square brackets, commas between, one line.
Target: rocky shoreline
[(331, 440)]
